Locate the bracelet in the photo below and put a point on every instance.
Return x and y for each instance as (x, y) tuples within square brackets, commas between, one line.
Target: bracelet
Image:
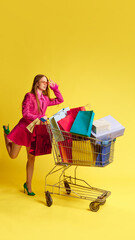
[(42, 119)]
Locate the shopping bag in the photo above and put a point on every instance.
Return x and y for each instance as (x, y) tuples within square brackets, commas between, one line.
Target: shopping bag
[(83, 123), (65, 149), (83, 153), (54, 124), (103, 150), (41, 143), (66, 123), (74, 111), (31, 126)]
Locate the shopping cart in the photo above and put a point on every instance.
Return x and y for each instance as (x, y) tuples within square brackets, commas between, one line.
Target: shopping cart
[(71, 150)]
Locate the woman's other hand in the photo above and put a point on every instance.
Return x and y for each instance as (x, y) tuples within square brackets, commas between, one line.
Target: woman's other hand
[(43, 119)]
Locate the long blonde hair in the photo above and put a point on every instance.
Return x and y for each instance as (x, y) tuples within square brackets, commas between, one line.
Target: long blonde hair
[(35, 86)]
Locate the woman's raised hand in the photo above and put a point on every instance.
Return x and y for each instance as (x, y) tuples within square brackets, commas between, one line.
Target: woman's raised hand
[(51, 83)]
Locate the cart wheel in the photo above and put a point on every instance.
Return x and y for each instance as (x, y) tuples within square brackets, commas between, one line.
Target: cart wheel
[(68, 189), (94, 206), (49, 200)]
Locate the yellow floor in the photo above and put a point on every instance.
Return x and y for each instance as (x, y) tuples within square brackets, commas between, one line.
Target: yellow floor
[(25, 217)]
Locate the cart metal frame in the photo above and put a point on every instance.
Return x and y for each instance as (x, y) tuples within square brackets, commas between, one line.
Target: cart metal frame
[(85, 149)]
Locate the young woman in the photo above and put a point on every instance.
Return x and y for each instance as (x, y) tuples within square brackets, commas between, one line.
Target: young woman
[(34, 106)]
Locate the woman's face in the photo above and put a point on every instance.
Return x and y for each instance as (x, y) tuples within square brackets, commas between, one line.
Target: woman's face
[(42, 84)]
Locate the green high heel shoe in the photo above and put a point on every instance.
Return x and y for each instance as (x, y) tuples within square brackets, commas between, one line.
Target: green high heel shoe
[(6, 130), (29, 193)]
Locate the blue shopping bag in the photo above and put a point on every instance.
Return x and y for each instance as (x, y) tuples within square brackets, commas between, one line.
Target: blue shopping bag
[(83, 123), (104, 151)]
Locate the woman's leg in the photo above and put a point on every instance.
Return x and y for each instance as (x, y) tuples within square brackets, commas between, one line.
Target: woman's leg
[(12, 148), (29, 169)]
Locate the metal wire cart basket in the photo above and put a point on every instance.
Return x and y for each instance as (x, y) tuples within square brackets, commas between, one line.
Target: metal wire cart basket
[(75, 150)]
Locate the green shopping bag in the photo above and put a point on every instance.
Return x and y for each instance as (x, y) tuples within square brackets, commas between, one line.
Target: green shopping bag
[(83, 123)]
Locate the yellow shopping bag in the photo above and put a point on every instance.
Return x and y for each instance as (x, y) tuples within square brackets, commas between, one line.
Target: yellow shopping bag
[(83, 153)]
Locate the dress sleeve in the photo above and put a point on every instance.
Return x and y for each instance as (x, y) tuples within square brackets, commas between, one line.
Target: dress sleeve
[(26, 108), (59, 99)]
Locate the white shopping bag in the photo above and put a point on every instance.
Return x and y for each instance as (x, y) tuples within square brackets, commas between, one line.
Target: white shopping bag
[(54, 125)]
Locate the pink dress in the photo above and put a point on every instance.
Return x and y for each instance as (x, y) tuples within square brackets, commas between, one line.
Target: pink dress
[(20, 135)]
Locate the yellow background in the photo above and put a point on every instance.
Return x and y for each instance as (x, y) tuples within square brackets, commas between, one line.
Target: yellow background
[(88, 48)]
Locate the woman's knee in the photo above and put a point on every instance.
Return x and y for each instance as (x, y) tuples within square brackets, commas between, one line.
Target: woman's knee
[(13, 155)]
